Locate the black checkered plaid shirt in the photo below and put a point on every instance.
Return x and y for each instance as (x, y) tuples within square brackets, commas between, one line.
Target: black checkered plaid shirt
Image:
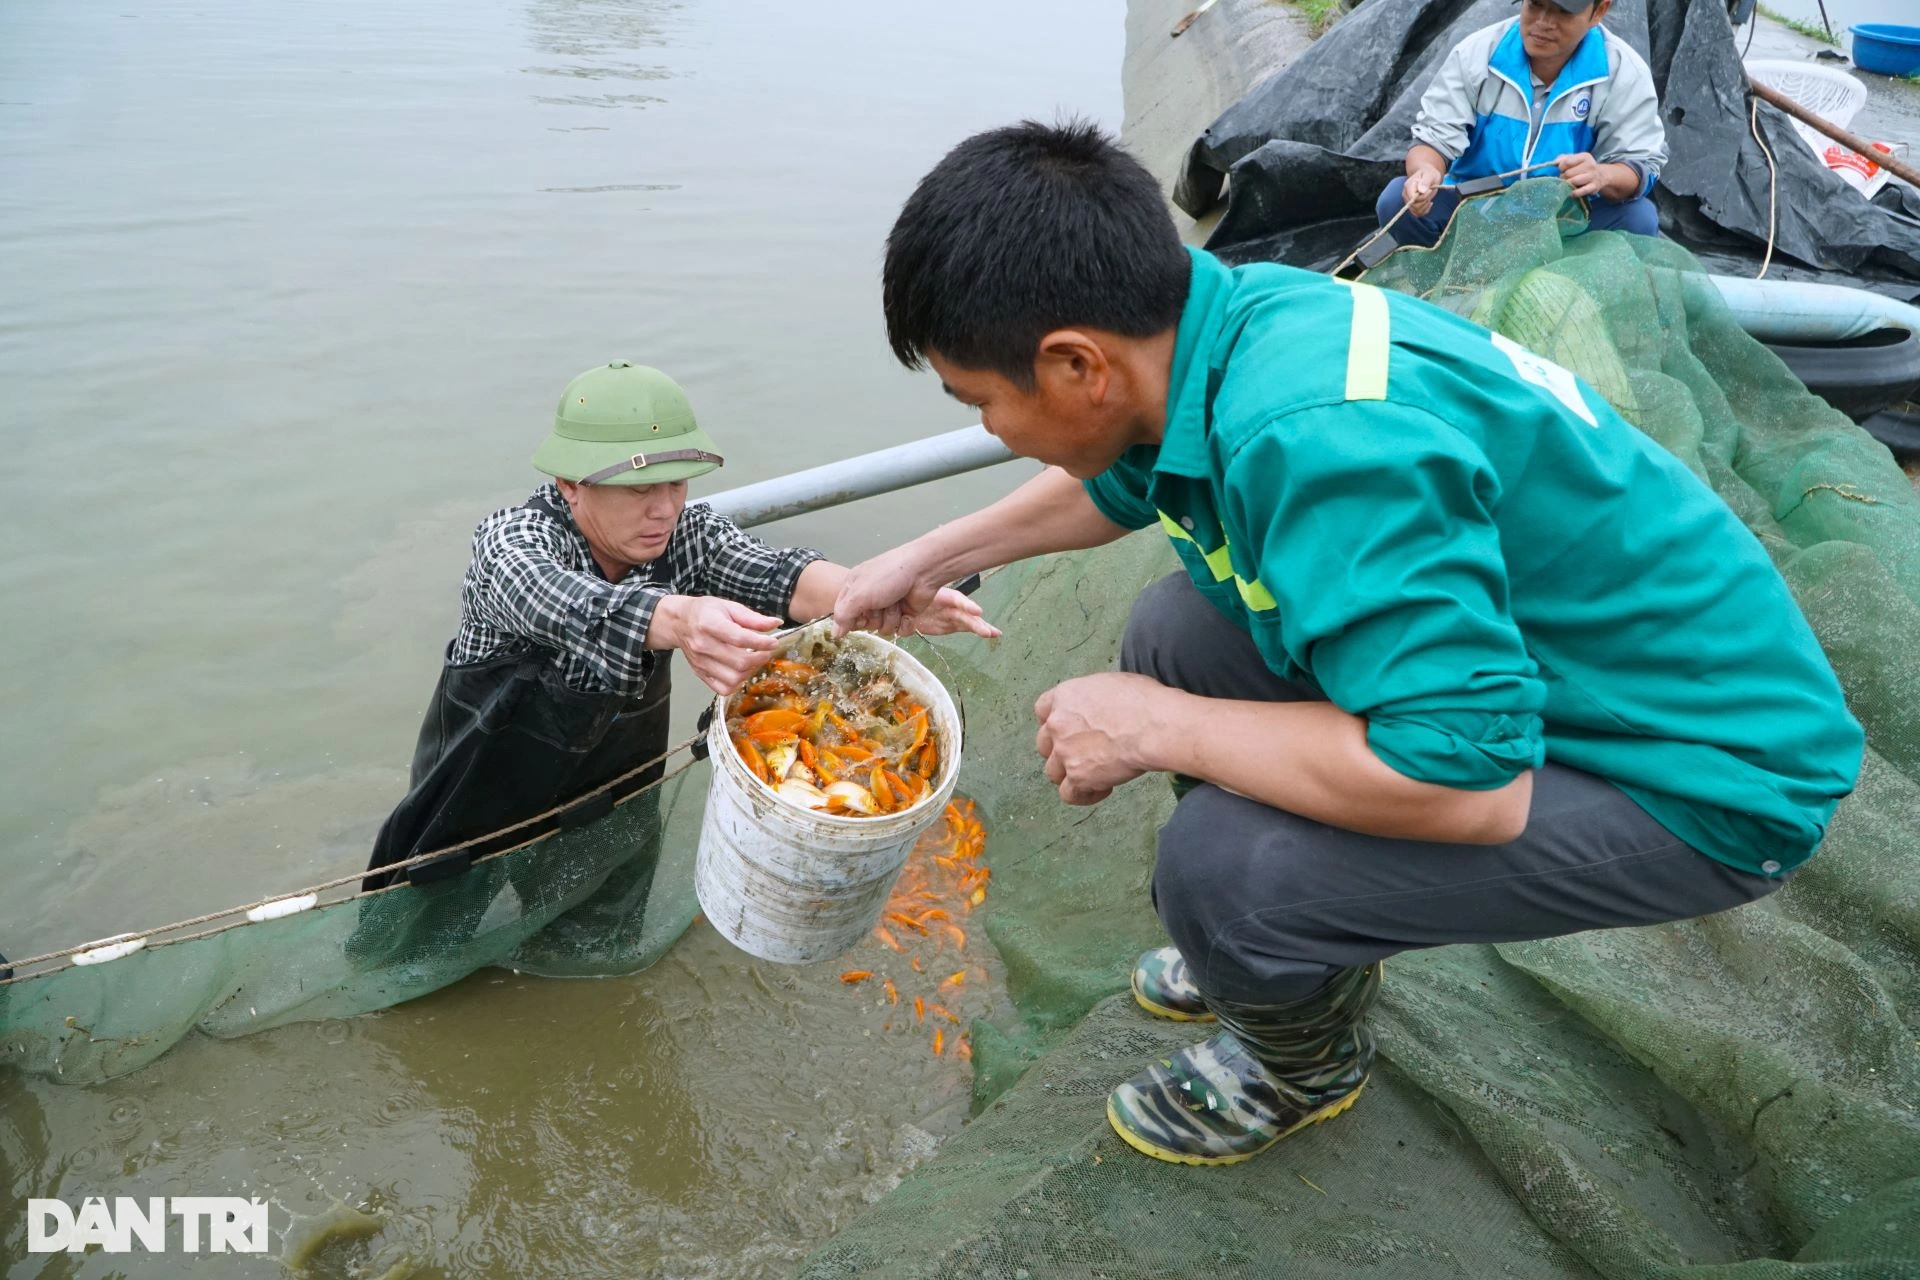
[(533, 585)]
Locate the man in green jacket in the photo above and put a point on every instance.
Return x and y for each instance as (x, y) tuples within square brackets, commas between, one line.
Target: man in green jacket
[(1457, 654)]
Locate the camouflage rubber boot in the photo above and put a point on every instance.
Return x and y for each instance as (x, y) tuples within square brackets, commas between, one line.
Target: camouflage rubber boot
[(1274, 1070), (1163, 987)]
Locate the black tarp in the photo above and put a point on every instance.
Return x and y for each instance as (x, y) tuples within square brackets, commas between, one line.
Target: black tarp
[(1310, 148)]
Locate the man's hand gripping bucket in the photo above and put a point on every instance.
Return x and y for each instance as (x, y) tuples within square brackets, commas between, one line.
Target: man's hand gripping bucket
[(798, 886)]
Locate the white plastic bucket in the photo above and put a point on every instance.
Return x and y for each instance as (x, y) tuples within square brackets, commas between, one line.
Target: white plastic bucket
[(797, 886)]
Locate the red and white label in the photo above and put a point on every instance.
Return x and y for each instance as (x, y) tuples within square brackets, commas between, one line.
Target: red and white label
[(1839, 157)]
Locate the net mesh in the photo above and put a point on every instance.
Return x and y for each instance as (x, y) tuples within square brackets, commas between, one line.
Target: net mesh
[(1727, 1097), (607, 898)]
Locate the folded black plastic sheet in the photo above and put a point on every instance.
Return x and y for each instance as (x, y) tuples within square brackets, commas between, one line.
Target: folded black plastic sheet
[(1310, 148)]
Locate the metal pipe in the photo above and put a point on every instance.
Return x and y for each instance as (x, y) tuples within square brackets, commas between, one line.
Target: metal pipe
[(1794, 311), (883, 471)]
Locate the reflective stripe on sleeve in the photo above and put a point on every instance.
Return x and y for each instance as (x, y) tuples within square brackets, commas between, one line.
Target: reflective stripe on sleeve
[(1368, 343)]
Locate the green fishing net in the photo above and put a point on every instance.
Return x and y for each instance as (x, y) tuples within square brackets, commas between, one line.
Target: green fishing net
[(1733, 1097), (599, 899), (1737, 1096)]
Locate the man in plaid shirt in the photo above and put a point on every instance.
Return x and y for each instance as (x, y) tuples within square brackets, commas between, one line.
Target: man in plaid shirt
[(537, 583), (557, 681)]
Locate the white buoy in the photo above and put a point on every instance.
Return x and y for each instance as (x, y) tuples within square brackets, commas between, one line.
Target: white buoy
[(120, 944), (283, 907)]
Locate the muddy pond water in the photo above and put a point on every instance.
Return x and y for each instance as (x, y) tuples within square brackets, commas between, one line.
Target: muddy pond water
[(289, 292)]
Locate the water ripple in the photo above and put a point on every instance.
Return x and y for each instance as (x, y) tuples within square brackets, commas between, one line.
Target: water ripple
[(612, 100), (124, 1117), (396, 1107), (614, 186)]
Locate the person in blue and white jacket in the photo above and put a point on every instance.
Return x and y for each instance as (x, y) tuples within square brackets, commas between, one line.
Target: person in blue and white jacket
[(1551, 89)]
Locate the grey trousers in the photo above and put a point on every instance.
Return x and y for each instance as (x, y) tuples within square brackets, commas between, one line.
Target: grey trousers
[(1266, 906)]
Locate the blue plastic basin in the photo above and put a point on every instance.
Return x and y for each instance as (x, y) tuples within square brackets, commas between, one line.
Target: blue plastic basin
[(1886, 47)]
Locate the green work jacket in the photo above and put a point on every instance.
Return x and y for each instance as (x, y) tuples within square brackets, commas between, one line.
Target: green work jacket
[(1459, 541)]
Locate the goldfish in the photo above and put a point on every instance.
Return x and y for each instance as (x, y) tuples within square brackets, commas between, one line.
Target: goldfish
[(813, 723)]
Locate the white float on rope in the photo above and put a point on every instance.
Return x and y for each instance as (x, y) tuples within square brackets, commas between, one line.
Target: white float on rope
[(120, 944), (283, 907)]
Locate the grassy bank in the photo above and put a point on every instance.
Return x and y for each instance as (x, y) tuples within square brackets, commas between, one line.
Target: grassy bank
[(1811, 30), (1320, 14)]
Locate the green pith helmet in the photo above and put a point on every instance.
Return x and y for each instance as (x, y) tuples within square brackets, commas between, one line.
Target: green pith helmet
[(624, 423)]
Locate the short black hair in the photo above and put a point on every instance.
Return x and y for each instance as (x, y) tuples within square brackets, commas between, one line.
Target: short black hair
[(1024, 230)]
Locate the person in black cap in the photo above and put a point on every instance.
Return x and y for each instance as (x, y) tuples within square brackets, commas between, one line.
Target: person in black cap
[(1550, 91)]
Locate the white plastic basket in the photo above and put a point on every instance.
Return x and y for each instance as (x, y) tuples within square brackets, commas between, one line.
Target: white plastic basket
[(1832, 95)]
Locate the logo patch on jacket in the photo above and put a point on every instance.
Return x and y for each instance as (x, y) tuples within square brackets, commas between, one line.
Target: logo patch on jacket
[(1555, 380), (1582, 105)]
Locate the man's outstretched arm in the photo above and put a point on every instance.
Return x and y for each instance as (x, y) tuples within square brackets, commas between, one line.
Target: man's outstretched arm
[(1050, 512)]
